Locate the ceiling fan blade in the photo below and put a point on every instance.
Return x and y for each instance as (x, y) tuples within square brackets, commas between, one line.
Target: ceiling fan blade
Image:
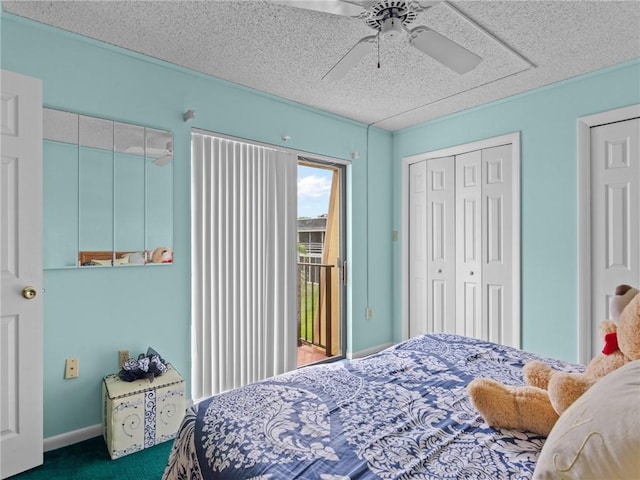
[(420, 5), (360, 50), (337, 7), (163, 160), (445, 51)]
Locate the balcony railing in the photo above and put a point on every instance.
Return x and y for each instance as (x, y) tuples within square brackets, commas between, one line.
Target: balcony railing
[(313, 248), (314, 305)]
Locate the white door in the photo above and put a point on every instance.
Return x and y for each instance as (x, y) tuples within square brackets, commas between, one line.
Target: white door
[(615, 215), (468, 245), (497, 247), (418, 249), (462, 222), (432, 246), (21, 267), (441, 245)]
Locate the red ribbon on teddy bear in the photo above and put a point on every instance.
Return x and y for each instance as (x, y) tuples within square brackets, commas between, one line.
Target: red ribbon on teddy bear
[(610, 343)]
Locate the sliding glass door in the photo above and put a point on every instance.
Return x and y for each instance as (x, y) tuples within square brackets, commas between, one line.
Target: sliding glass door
[(267, 262), (321, 266)]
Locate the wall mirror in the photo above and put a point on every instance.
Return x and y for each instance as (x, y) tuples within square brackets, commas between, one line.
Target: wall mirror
[(108, 192)]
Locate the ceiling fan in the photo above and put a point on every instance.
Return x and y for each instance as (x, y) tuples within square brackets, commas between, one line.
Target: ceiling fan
[(159, 156), (391, 18)]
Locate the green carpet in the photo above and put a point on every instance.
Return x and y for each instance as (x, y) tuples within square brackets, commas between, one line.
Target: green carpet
[(89, 460)]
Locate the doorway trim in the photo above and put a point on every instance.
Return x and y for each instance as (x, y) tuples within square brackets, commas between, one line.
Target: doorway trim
[(584, 126), (510, 138)]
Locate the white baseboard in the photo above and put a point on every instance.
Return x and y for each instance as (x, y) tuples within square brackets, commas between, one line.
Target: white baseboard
[(80, 435), (369, 351), (69, 438)]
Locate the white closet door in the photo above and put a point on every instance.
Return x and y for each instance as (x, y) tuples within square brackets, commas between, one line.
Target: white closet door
[(615, 225), (441, 261), (418, 249), (463, 241), (468, 245), (497, 245)]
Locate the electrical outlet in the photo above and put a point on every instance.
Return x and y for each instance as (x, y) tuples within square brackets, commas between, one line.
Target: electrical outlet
[(123, 356), (369, 313), (72, 368)]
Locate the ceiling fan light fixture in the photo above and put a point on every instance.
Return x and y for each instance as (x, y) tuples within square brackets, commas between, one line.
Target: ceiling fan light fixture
[(392, 27)]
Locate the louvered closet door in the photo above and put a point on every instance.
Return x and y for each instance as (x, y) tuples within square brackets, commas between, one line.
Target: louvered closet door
[(615, 217)]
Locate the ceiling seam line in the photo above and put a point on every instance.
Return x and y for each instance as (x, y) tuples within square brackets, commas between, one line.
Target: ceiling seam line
[(449, 96)]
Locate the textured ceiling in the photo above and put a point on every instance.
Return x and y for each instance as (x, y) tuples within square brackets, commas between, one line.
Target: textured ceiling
[(285, 51)]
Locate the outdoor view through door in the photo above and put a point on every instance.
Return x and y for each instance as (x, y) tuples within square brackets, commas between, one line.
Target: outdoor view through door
[(320, 266)]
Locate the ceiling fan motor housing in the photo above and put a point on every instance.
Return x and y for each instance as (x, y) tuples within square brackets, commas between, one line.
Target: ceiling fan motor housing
[(398, 10)]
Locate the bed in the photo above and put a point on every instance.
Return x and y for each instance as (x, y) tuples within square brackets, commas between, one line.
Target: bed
[(102, 258), (403, 413)]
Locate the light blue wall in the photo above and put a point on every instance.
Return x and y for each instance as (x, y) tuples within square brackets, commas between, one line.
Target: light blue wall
[(547, 120), (92, 313), (371, 260)]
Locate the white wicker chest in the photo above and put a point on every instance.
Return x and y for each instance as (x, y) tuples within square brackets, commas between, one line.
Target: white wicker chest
[(140, 414)]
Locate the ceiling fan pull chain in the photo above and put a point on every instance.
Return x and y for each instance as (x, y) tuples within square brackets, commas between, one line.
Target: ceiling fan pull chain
[(378, 38)]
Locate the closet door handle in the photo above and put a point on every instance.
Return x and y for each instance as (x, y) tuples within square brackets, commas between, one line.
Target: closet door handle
[(439, 270), (471, 272)]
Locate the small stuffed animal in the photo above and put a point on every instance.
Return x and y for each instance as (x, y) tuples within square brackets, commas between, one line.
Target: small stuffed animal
[(162, 255), (547, 393)]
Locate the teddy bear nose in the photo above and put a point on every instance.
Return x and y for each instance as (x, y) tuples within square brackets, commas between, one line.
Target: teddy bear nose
[(622, 289)]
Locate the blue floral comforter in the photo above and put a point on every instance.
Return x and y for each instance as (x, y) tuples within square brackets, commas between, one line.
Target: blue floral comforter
[(403, 413)]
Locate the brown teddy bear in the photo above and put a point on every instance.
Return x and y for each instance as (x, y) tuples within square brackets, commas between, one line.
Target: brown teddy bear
[(547, 393), (162, 255)]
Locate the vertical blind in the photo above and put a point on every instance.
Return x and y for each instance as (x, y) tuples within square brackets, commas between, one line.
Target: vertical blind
[(244, 244)]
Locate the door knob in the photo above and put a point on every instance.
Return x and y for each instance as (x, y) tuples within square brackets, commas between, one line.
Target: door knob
[(439, 270), (29, 293)]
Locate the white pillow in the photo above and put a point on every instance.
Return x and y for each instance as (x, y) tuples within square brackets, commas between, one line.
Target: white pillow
[(135, 257), (598, 437), (101, 262), (122, 260)]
